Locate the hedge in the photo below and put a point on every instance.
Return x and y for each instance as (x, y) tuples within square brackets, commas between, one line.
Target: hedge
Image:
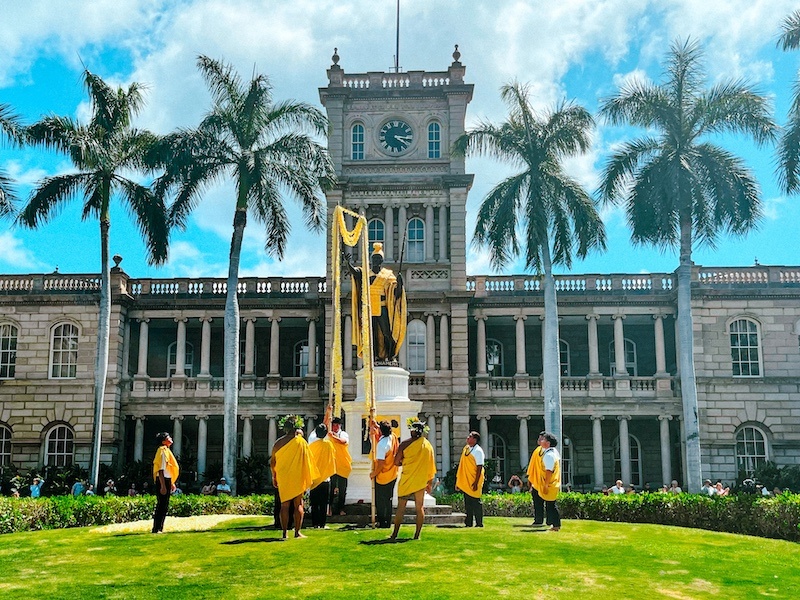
[(58, 512), (777, 517)]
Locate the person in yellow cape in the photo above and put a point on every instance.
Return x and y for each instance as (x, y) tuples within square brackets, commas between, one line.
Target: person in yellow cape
[(343, 460), (165, 474), (416, 457), (384, 471), (470, 477), (387, 298), (292, 471), (550, 481), (535, 481), (323, 454)]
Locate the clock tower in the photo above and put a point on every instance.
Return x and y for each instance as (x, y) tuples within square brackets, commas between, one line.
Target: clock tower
[(390, 137)]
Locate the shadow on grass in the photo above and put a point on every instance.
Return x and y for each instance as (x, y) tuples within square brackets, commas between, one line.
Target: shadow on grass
[(385, 541), (451, 526), (253, 541)]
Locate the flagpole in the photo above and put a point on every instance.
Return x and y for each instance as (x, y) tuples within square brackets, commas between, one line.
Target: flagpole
[(397, 42)]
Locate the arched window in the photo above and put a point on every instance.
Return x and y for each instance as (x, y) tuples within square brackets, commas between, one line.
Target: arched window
[(415, 244), (631, 363), (59, 446), (375, 232), (301, 358), (745, 348), (567, 460), (434, 140), (415, 338), (497, 454), (564, 359), (357, 147), (188, 363), (751, 449), (8, 350), (636, 461), (494, 358), (64, 351), (5, 445)]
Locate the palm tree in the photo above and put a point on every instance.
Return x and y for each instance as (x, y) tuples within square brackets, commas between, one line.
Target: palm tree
[(267, 149), (10, 125), (789, 145), (553, 214), (677, 188), (100, 150)]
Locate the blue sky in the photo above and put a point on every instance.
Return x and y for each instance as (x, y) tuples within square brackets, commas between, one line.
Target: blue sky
[(573, 49)]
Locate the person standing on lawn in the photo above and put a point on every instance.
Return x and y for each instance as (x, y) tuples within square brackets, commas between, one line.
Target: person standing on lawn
[(324, 456), (384, 471), (470, 478), (417, 458), (292, 471), (550, 483), (165, 473), (534, 481)]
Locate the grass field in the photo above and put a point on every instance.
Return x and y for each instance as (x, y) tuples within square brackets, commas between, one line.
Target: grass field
[(243, 558)]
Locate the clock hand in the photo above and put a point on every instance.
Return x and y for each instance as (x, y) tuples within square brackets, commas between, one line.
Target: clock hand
[(403, 138)]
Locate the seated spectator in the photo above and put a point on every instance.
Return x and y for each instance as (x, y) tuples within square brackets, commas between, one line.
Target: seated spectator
[(36, 487), (515, 484), (674, 488), (604, 490), (617, 488), (77, 488), (646, 489), (177, 491), (145, 489), (14, 493), (664, 488), (89, 490), (132, 490), (721, 491), (110, 489), (209, 489), (708, 488), (630, 489), (223, 487)]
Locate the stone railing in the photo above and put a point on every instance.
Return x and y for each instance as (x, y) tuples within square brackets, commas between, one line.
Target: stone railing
[(273, 286), (54, 282), (653, 283), (381, 80)]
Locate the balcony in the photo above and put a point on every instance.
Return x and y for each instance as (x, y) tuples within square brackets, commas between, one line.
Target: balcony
[(488, 388), (189, 388)]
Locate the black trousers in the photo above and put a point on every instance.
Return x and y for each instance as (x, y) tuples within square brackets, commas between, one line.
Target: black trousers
[(276, 512), (538, 508), (553, 516), (337, 500), (319, 504), (474, 510), (383, 502), (162, 505)]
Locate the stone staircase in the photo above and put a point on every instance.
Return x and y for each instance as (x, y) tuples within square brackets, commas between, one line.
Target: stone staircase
[(440, 514)]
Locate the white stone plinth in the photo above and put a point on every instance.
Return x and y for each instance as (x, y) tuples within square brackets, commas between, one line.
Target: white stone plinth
[(391, 383)]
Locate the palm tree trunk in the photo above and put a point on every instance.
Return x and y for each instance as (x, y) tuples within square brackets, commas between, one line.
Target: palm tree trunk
[(101, 360), (231, 364), (551, 364), (691, 423)]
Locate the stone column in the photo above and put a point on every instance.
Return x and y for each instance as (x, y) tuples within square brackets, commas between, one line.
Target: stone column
[(247, 435), (594, 352), (272, 433), (138, 438), (481, 350), (483, 429), (446, 443), (624, 449), (387, 233), (202, 444), (524, 455), (274, 346), (661, 357), (180, 348), (444, 344), (347, 345), (310, 424), (429, 228), (432, 434), (249, 345), (443, 233), (597, 450), (312, 346), (205, 347), (522, 368), (666, 454), (177, 434), (126, 350), (143, 343), (619, 347), (430, 343)]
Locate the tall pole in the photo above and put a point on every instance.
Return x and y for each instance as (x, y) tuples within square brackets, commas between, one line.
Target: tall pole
[(397, 41)]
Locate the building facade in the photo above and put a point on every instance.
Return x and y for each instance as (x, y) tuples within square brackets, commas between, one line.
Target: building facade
[(474, 343)]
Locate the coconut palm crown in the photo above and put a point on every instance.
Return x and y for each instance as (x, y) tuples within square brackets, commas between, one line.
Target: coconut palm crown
[(13, 130), (268, 150), (540, 212), (677, 188), (789, 144)]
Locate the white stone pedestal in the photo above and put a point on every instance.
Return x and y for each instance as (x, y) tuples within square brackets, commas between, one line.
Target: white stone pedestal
[(392, 404)]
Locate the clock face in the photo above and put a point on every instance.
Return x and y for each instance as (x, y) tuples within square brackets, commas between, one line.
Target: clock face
[(396, 136)]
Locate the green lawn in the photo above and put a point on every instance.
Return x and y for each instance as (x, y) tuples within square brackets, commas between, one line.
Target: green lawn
[(244, 559)]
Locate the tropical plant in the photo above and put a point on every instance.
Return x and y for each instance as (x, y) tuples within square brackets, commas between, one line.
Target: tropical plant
[(10, 125), (101, 151), (267, 149), (541, 211), (789, 145), (678, 188)]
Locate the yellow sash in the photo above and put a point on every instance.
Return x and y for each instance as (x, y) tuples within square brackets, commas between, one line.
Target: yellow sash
[(294, 468), (419, 467), (389, 472), (172, 471), (466, 474), (555, 481), (535, 468), (322, 454), (344, 463)]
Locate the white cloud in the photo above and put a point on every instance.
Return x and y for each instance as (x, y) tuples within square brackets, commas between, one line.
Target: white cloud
[(15, 256), (772, 207)]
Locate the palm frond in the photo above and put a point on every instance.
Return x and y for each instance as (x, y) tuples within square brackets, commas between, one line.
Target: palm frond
[(11, 125), (790, 38), (736, 107), (150, 214), (621, 168), (223, 81), (8, 196), (49, 196), (639, 103), (495, 228), (789, 155)]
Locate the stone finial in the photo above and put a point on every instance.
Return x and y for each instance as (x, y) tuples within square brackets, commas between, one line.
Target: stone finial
[(335, 57), (117, 259), (456, 54)]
